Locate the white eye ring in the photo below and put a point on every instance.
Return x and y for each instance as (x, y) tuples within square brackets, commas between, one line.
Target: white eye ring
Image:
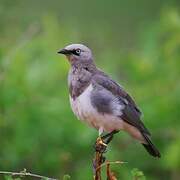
[(78, 51)]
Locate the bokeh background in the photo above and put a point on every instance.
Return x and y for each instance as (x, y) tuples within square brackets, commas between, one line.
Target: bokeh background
[(137, 42)]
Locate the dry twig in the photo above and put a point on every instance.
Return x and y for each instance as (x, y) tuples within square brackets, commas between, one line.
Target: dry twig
[(99, 159), (25, 173)]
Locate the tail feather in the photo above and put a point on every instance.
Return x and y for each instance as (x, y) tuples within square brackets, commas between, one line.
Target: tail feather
[(150, 147)]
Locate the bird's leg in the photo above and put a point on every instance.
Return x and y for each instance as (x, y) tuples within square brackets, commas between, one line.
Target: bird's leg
[(108, 137), (100, 146), (103, 141)]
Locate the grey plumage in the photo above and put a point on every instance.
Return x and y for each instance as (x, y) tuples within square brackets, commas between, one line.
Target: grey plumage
[(100, 101), (131, 113)]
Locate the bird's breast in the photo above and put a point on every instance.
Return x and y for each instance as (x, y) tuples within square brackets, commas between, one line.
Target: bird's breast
[(81, 105), (84, 110)]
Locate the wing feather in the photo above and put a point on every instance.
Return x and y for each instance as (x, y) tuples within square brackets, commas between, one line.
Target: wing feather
[(131, 113)]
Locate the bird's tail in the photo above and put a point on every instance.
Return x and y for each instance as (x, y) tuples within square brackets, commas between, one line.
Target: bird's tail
[(150, 147)]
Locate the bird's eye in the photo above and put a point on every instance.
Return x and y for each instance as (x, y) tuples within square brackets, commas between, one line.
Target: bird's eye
[(78, 51)]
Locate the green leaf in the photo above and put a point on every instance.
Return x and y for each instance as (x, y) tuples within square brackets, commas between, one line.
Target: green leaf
[(66, 177), (137, 174), (8, 177)]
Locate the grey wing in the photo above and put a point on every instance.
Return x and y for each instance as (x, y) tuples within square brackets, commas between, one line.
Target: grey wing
[(105, 102), (130, 112)]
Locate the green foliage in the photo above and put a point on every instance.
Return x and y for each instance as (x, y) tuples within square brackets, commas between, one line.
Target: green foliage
[(66, 177), (138, 43), (10, 178), (137, 174)]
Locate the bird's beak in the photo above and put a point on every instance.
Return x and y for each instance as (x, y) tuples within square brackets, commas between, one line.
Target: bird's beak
[(64, 51)]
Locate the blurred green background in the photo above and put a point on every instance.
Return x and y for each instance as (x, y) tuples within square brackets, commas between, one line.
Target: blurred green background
[(137, 42)]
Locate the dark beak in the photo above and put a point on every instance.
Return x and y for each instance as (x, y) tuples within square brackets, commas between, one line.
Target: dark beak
[(64, 51)]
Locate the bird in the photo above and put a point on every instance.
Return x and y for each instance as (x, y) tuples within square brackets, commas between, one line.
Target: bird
[(101, 102)]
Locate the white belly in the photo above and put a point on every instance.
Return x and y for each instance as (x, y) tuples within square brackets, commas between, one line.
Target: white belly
[(84, 110)]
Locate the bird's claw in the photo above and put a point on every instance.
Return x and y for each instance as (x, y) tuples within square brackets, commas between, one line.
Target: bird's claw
[(100, 146)]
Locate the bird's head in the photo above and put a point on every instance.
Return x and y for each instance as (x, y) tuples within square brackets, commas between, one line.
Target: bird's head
[(77, 53)]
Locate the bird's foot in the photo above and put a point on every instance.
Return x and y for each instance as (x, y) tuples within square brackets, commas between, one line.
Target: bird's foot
[(108, 137), (100, 145), (103, 141)]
